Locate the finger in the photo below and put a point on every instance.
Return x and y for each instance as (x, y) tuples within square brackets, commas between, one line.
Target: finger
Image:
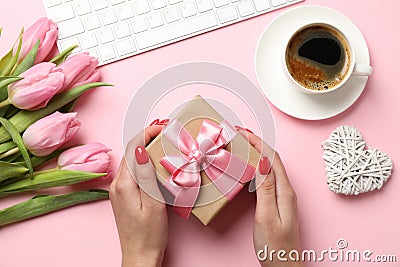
[(286, 196), (264, 150), (142, 139), (267, 207), (258, 144), (146, 177)]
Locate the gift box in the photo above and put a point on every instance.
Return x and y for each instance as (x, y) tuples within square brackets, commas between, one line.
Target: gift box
[(202, 160)]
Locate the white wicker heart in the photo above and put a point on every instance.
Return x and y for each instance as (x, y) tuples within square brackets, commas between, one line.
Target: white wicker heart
[(350, 166)]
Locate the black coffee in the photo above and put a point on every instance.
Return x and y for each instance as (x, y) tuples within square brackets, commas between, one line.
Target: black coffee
[(318, 57)]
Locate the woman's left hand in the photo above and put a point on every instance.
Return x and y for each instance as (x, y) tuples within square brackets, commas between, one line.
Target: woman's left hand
[(139, 208)]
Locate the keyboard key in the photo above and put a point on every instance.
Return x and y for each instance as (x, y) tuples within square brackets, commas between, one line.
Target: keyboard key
[(171, 14), (116, 2), (157, 4), (69, 28), (155, 20), (108, 16), (262, 5), (93, 53), (278, 2), (124, 11), (122, 30), (92, 21), (204, 5), (82, 7), (177, 30), (227, 14), (61, 13), (139, 25), (105, 35), (50, 3), (245, 8), (125, 46), (99, 4), (188, 9), (141, 6), (89, 40), (64, 44), (171, 2), (219, 3), (107, 52)]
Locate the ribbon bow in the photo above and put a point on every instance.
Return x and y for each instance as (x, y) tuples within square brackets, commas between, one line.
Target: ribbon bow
[(207, 153)]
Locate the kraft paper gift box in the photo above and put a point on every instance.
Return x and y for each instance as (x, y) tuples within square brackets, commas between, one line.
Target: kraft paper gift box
[(210, 200)]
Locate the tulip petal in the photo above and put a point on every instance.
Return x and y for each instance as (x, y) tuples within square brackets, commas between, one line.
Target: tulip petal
[(90, 157), (49, 133)]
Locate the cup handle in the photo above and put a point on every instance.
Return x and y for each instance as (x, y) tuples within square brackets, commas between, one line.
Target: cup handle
[(362, 70)]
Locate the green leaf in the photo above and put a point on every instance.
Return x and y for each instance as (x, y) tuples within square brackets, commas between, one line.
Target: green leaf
[(69, 107), (4, 147), (11, 111), (43, 204), (7, 80), (9, 170), (16, 137), (37, 161), (60, 58), (8, 62), (48, 179), (28, 61), (25, 118), (13, 157)]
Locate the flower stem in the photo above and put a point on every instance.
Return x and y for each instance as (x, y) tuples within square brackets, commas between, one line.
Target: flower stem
[(9, 152), (5, 103)]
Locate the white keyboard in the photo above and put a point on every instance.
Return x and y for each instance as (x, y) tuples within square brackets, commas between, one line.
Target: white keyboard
[(115, 29)]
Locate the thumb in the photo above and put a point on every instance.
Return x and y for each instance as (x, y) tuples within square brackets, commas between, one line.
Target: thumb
[(147, 180), (267, 207)]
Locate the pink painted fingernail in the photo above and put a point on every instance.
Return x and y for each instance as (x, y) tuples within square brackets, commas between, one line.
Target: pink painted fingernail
[(264, 166), (159, 122), (155, 122), (142, 157)]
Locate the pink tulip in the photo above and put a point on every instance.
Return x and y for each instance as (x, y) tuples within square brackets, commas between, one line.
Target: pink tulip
[(90, 157), (44, 30), (77, 69), (41, 82), (49, 133), (94, 77)]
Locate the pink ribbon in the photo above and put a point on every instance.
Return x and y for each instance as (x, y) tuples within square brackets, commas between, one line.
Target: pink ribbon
[(207, 153)]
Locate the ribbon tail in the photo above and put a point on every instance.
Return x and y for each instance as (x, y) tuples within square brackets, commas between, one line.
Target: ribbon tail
[(185, 197), (185, 200)]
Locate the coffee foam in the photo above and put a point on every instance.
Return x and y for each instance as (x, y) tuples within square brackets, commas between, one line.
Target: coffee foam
[(311, 74)]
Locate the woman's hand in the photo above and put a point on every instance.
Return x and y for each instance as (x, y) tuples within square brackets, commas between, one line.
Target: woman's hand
[(139, 210), (276, 224)]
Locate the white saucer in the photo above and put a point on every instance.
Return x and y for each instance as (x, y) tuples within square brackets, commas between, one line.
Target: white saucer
[(280, 91)]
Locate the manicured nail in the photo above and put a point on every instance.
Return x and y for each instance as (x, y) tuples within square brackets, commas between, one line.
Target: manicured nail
[(155, 122), (264, 166), (141, 155), (158, 122)]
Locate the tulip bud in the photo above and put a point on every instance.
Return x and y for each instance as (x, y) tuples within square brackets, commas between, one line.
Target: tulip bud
[(41, 82), (90, 157), (77, 69), (49, 133), (44, 30)]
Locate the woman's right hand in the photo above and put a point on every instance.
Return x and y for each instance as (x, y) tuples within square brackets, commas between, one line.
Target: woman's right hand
[(276, 223)]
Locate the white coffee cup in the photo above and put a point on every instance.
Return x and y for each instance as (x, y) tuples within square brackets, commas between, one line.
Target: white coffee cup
[(352, 68)]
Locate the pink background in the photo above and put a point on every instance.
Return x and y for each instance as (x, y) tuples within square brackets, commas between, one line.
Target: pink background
[(87, 236)]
